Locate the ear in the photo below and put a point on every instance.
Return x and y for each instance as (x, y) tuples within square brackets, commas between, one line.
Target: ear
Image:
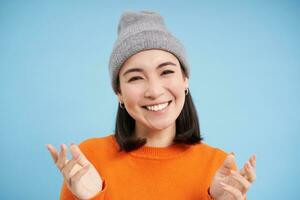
[(186, 82)]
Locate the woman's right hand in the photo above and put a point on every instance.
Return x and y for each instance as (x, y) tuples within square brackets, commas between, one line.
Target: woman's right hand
[(80, 176)]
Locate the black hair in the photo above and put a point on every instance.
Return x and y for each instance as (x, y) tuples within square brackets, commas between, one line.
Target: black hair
[(187, 126)]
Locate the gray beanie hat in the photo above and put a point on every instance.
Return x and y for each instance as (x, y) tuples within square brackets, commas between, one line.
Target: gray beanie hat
[(138, 31)]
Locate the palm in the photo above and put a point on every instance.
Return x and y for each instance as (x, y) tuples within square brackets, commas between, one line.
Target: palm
[(222, 175), (80, 176), (216, 188), (88, 185), (228, 184)]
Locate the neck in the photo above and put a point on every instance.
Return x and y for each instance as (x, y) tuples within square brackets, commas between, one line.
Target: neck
[(156, 138)]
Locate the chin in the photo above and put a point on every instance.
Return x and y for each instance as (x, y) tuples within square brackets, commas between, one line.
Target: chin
[(160, 126)]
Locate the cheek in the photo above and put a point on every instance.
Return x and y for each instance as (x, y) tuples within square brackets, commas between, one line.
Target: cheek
[(131, 95), (177, 87)]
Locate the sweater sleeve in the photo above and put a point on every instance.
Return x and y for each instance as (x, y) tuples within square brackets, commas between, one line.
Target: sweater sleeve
[(208, 197)]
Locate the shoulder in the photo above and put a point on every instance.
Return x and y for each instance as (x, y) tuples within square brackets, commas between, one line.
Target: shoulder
[(99, 145), (212, 150), (210, 153), (100, 151)]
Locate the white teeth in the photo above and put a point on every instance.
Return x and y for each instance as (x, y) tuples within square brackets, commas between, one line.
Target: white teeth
[(157, 107)]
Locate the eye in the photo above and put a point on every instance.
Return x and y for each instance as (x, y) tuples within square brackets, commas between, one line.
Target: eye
[(167, 72), (134, 78)]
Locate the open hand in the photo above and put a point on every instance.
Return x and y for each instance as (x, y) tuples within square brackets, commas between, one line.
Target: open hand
[(228, 184), (80, 176)]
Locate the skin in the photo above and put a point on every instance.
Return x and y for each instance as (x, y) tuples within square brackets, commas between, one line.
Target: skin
[(80, 176), (229, 184), (147, 78), (149, 84)]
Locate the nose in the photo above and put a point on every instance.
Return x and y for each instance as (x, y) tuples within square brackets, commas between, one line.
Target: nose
[(154, 89)]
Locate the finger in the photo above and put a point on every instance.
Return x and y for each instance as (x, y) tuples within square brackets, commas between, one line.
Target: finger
[(250, 172), (243, 172), (78, 155), (69, 169), (227, 165), (253, 161), (77, 176), (233, 191), (62, 157), (244, 184), (53, 152)]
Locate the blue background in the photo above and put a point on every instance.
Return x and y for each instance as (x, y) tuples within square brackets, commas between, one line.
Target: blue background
[(55, 86)]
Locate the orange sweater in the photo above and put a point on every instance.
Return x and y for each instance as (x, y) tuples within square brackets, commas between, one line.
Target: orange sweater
[(176, 172)]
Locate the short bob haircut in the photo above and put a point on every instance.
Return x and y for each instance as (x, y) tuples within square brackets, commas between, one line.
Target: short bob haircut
[(187, 126)]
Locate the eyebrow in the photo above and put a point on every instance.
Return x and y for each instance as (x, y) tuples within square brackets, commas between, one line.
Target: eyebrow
[(140, 70)]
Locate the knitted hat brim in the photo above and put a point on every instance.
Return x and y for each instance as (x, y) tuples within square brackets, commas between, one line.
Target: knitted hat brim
[(141, 41)]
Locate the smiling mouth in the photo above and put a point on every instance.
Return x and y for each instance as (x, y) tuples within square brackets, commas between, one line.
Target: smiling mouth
[(158, 107)]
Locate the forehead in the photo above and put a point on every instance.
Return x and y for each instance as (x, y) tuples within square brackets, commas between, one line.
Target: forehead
[(149, 59)]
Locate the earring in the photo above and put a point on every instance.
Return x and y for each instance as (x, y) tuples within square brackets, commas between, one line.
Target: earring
[(186, 91), (121, 105)]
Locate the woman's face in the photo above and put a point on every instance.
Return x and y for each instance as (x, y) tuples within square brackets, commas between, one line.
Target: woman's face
[(152, 88)]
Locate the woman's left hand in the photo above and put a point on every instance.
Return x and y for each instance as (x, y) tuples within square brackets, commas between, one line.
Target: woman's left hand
[(228, 184)]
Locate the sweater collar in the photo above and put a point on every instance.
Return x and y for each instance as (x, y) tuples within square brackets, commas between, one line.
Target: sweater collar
[(149, 152)]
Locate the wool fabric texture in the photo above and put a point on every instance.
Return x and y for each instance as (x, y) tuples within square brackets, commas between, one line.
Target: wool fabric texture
[(138, 31), (176, 172)]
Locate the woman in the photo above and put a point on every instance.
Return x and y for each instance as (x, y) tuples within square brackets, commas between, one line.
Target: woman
[(156, 151)]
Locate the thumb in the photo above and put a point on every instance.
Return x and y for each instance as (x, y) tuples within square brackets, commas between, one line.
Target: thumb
[(78, 155), (227, 165)]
